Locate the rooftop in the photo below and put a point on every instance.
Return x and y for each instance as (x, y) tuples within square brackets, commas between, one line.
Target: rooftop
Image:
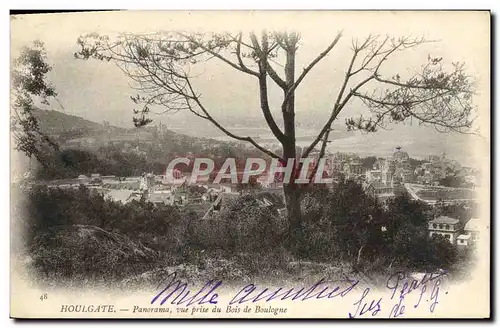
[(445, 220), (121, 195), (160, 197), (378, 185), (473, 225)]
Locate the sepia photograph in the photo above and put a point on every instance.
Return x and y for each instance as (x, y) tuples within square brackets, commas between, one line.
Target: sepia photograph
[(250, 164)]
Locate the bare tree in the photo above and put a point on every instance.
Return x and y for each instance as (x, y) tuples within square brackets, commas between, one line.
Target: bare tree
[(160, 64)]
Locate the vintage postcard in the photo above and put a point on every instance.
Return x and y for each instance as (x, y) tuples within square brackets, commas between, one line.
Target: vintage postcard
[(250, 164)]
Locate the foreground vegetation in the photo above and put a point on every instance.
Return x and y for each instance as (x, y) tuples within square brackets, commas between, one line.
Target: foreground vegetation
[(78, 237)]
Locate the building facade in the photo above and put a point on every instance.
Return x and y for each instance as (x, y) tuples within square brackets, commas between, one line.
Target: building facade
[(446, 227), (472, 229)]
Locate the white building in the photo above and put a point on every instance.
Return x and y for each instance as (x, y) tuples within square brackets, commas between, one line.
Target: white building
[(165, 197), (471, 235), (123, 196), (83, 179), (373, 175), (473, 228), (446, 227), (463, 241)]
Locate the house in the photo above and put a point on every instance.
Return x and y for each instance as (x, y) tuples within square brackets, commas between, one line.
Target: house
[(463, 241), (374, 175), (380, 190), (83, 179), (165, 198), (95, 178), (400, 155), (408, 175), (472, 229), (388, 167), (471, 233), (446, 227), (109, 179), (353, 168), (122, 196)]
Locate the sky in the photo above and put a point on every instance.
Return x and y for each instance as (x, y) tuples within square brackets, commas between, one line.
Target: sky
[(100, 91)]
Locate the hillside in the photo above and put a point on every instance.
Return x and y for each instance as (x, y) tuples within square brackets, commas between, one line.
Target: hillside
[(88, 147), (76, 132), (55, 123), (159, 144)]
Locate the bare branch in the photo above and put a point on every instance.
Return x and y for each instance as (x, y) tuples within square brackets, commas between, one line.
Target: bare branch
[(337, 107), (309, 67), (240, 60), (376, 51), (382, 52), (434, 97), (264, 102), (227, 132), (268, 68), (272, 73), (240, 67), (320, 155), (157, 63)]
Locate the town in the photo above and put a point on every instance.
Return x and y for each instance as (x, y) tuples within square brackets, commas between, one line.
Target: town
[(434, 180)]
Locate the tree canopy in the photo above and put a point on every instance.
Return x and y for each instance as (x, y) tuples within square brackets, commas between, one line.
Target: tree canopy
[(160, 66), (30, 89)]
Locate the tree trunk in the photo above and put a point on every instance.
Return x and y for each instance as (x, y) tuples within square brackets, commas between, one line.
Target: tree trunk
[(291, 190), (294, 215), (292, 193)]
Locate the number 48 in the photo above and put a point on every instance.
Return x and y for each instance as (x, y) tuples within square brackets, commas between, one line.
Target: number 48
[(43, 297)]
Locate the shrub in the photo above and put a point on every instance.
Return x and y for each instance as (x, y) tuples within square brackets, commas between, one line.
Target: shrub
[(252, 226), (79, 253)]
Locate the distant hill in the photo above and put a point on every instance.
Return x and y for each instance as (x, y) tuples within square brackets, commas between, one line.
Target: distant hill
[(55, 123), (88, 147), (77, 132), (194, 136)]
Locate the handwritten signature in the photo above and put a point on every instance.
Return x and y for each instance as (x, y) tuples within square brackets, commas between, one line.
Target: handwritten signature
[(318, 290), (400, 285), (177, 292)]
